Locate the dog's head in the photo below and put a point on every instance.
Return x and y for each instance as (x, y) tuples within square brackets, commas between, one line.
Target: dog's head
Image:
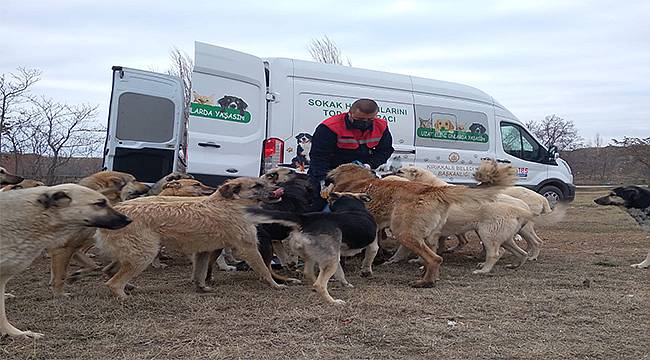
[(444, 124), (25, 184), (303, 138), (186, 187), (133, 189), (349, 173), (347, 200), (77, 205), (279, 175), (177, 176), (232, 102), (7, 178), (626, 196), (203, 99), (104, 180), (249, 190)]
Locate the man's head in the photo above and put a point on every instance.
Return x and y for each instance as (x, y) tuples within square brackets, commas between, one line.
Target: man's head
[(362, 113)]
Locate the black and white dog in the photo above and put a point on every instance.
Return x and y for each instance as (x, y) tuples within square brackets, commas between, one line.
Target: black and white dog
[(321, 238), (233, 102), (303, 147), (636, 201)]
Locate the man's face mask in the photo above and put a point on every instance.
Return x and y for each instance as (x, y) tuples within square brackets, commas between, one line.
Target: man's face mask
[(362, 122)]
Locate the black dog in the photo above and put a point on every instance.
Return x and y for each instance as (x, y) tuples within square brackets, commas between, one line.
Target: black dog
[(477, 128), (321, 238), (233, 102), (636, 201)]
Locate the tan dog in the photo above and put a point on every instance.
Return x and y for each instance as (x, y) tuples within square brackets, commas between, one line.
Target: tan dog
[(114, 185), (415, 212), (186, 187), (194, 227), (443, 124), (7, 178), (43, 217), (160, 184), (25, 184)]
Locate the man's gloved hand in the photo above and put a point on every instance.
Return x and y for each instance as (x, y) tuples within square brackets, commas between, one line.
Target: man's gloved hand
[(357, 162)]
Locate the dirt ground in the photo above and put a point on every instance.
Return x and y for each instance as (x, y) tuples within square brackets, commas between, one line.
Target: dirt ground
[(581, 299)]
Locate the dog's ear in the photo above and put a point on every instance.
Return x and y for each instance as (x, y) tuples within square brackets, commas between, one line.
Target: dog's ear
[(57, 199), (365, 197), (228, 191)]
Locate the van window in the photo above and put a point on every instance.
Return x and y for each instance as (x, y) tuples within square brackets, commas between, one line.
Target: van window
[(451, 128), (517, 142), (144, 118)]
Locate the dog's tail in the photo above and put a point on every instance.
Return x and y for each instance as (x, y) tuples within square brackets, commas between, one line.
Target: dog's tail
[(489, 173), (556, 215), (262, 216)]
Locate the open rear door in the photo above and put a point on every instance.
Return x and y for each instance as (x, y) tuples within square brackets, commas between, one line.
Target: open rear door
[(144, 124), (227, 124)]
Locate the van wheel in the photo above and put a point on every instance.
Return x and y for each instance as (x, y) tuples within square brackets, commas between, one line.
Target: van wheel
[(552, 194)]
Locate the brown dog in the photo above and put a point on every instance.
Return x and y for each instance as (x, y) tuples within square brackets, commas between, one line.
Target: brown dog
[(160, 184), (415, 212), (25, 184), (7, 178), (195, 227), (186, 187)]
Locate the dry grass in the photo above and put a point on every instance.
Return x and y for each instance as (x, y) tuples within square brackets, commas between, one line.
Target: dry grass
[(579, 300)]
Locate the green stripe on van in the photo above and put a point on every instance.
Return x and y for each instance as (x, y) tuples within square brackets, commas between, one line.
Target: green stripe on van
[(455, 135), (219, 113)]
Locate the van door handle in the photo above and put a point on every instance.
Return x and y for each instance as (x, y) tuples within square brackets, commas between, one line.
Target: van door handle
[(209, 145), (505, 161)]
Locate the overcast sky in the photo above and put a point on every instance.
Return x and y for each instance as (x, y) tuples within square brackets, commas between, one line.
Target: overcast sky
[(586, 61)]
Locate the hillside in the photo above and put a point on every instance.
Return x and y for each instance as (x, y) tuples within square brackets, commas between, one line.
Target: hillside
[(609, 165)]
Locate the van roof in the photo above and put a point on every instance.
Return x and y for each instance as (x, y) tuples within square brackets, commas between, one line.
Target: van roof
[(346, 74)]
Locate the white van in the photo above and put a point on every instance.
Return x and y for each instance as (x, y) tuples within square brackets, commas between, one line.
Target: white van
[(250, 114)]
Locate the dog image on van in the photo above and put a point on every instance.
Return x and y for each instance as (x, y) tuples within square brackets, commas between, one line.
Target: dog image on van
[(444, 125), (41, 218), (233, 102), (203, 99), (303, 148), (636, 202)]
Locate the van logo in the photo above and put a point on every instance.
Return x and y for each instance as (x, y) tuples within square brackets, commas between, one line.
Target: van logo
[(453, 157), (229, 108)]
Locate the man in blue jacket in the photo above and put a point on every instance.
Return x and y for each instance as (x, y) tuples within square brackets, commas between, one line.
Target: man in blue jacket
[(358, 135)]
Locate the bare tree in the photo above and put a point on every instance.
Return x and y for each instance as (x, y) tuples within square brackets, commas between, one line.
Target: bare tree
[(326, 51), (14, 91), (639, 148), (182, 66), (554, 130)]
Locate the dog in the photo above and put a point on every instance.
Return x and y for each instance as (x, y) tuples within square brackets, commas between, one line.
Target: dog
[(197, 226), (25, 184), (43, 217), (321, 238), (186, 187), (157, 188), (636, 201), (7, 178), (443, 125), (203, 99), (302, 150), (233, 102), (415, 212), (477, 128), (115, 186), (533, 201)]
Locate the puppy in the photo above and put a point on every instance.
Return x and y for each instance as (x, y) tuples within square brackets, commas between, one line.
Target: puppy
[(195, 226), (40, 218), (321, 238), (636, 201)]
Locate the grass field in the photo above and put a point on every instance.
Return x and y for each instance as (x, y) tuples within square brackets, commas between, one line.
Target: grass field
[(581, 299)]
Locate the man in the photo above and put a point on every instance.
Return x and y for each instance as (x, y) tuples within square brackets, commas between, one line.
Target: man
[(358, 135)]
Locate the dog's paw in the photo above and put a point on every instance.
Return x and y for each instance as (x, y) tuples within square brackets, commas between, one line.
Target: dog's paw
[(293, 281), (366, 273), (9, 296), (338, 302), (421, 284), (228, 268), (129, 287), (643, 265), (480, 272), (204, 289), (279, 286), (28, 335)]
